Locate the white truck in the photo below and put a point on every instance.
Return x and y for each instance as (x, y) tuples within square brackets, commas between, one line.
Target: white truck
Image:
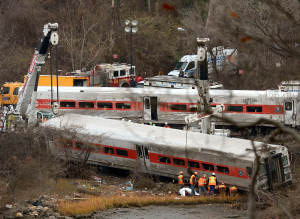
[(188, 62)]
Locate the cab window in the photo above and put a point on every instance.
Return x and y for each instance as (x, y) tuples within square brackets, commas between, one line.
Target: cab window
[(191, 66), (116, 73), (5, 90), (122, 73), (16, 91)]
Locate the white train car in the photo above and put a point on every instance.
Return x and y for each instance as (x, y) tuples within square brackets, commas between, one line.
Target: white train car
[(166, 152), (162, 105)]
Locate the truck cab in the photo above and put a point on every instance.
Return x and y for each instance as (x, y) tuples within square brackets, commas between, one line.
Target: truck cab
[(9, 93)]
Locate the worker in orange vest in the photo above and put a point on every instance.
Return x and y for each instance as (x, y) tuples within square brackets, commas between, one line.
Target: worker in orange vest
[(222, 189), (232, 191), (202, 183), (193, 182), (212, 182), (180, 179), (166, 125)]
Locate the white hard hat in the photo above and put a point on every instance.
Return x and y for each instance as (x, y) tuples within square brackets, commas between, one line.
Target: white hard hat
[(213, 174), (166, 123)]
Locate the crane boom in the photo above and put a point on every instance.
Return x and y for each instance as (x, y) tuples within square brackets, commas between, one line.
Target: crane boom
[(49, 36)]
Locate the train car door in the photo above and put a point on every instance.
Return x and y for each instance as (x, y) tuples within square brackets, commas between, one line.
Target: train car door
[(150, 108), (143, 157), (289, 112)]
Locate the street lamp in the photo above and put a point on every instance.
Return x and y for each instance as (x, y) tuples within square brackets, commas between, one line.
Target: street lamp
[(131, 28)]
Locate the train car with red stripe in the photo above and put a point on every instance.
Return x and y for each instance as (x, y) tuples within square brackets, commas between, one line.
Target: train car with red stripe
[(160, 105), (166, 152)]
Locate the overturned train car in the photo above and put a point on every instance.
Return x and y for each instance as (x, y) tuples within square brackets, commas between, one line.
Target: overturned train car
[(166, 152)]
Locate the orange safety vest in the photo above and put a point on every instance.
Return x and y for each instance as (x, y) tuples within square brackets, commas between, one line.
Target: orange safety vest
[(180, 179), (232, 189), (202, 181), (222, 186), (191, 179), (212, 181)]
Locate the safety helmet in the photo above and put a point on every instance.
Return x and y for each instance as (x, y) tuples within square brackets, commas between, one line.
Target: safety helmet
[(196, 173), (213, 174), (181, 172), (150, 123), (222, 183), (166, 123), (153, 124)]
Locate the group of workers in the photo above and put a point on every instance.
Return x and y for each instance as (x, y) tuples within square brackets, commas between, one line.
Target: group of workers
[(204, 185)]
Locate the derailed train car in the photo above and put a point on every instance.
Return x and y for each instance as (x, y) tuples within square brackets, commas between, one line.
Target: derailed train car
[(166, 152), (162, 105)]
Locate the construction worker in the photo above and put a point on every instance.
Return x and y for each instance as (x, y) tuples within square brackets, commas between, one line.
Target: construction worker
[(222, 189), (202, 183), (212, 182), (180, 180), (193, 182), (232, 191), (166, 125)]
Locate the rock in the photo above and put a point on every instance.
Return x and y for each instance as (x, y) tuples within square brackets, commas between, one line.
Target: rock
[(19, 214), (9, 206)]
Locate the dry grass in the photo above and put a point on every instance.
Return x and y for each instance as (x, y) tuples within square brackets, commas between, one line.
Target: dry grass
[(104, 203)]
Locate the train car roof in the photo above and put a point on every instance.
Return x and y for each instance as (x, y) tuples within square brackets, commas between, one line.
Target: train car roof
[(169, 91), (154, 135)]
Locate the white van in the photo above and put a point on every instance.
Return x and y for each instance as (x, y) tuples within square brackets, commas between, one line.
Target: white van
[(188, 62), (188, 65)]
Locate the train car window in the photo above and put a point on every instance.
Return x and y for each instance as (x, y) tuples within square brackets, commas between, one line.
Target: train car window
[(108, 150), (123, 105), (191, 65), (178, 107), (16, 90), (194, 164), (288, 106), (262, 169), (254, 109), (222, 169), (208, 166), (235, 108), (86, 104), (67, 104), (249, 171), (285, 161), (146, 153), (79, 145), (164, 159), (122, 152), (147, 103), (179, 162), (104, 105), (193, 108), (122, 73), (116, 73), (213, 105)]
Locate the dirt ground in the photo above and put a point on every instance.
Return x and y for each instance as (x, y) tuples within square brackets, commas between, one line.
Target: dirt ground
[(207, 211)]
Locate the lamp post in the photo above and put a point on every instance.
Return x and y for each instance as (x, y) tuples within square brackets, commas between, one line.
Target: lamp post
[(131, 28)]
